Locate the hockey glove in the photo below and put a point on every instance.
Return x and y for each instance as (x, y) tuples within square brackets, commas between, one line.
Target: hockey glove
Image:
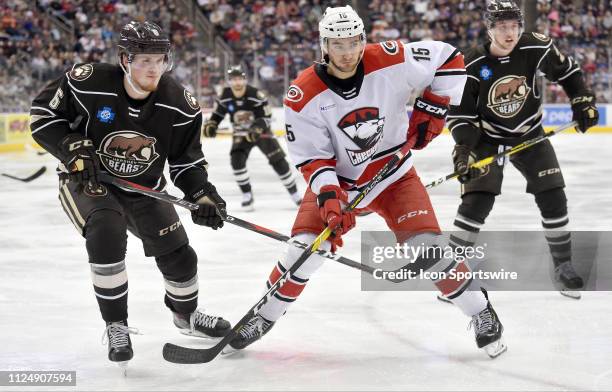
[(427, 119), (585, 112), (210, 129), (331, 200), (463, 157), (259, 127), (253, 135), (79, 157), (211, 211)]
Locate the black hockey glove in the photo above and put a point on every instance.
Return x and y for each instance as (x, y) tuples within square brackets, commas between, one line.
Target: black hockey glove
[(585, 112), (210, 129), (253, 135), (259, 127), (80, 159), (463, 157), (211, 211)]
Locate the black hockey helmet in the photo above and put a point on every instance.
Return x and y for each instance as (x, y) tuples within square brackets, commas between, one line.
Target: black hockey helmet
[(235, 71), (498, 10), (144, 37)]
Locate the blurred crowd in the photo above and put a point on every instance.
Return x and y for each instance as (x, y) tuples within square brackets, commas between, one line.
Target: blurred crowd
[(277, 39), (274, 39), (33, 50), (583, 30)]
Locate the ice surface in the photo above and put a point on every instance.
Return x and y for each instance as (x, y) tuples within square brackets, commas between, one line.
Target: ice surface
[(335, 337)]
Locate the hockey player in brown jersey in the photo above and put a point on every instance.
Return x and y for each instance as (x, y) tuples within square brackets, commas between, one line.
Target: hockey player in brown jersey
[(128, 120), (501, 106)]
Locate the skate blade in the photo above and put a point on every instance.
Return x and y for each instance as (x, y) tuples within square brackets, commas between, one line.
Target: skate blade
[(496, 348), (442, 298), (571, 294), (197, 334), (229, 350), (123, 365)]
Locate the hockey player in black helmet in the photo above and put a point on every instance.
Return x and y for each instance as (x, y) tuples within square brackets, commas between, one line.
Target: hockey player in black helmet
[(143, 38), (129, 120), (250, 117), (501, 106)]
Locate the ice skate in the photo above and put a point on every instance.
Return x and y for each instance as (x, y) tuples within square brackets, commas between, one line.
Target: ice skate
[(117, 335), (252, 331), (297, 198), (568, 281), (488, 330), (201, 325), (248, 202)]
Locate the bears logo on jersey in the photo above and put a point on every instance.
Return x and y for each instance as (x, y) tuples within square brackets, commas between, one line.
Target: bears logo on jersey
[(541, 37), (243, 119), (81, 72), (191, 100), (507, 95), (127, 153), (364, 127)]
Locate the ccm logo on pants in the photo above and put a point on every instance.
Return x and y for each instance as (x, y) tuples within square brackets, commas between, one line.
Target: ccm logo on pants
[(547, 172), (170, 228), (411, 214)]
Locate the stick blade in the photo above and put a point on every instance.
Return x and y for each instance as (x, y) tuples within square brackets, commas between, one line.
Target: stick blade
[(184, 355), (34, 176)]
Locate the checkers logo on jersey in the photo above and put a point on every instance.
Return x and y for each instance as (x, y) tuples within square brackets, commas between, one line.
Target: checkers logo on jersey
[(127, 153), (294, 94), (508, 95), (364, 127), (390, 47)]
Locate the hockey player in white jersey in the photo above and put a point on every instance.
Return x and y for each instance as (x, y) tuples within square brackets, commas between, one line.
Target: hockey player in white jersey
[(345, 118)]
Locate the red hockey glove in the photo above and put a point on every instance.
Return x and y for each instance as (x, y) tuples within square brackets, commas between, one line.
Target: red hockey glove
[(331, 200), (427, 119)]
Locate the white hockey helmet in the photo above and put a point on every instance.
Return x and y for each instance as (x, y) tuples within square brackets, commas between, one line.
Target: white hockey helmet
[(339, 22)]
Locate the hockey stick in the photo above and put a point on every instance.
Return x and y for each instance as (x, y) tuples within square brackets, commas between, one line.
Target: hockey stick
[(519, 147), (29, 178), (130, 186), (179, 354), (261, 135)]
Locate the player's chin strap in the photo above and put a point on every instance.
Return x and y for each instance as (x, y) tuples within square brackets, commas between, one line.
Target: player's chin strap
[(128, 74)]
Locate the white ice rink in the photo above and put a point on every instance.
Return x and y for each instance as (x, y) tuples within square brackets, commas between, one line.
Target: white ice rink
[(335, 337)]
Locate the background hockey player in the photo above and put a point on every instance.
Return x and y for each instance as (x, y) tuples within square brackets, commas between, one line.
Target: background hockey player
[(346, 117), (128, 120), (501, 106), (250, 117)]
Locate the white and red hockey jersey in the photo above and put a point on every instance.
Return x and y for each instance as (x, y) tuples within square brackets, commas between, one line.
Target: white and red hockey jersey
[(344, 139)]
